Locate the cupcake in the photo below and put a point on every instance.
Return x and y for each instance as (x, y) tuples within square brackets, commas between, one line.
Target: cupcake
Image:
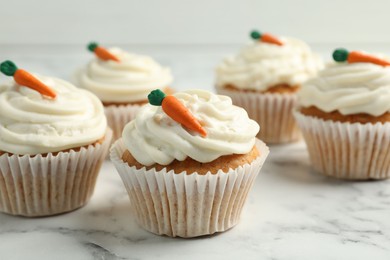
[(189, 164), (122, 81), (53, 140), (264, 78), (344, 114)]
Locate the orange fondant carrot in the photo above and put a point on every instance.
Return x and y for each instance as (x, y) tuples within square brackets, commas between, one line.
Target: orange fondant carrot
[(266, 37), (341, 55), (176, 110), (102, 52), (26, 79)]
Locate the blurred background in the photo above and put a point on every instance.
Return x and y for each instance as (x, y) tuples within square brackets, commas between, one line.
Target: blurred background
[(191, 22), (189, 36)]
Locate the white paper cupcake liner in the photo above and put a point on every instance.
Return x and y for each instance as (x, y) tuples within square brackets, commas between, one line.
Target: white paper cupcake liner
[(273, 112), (184, 205), (51, 184), (119, 116), (347, 150)]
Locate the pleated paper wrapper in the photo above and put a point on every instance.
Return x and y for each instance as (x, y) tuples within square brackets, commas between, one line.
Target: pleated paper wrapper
[(119, 116), (347, 150), (51, 184), (184, 205), (273, 112)]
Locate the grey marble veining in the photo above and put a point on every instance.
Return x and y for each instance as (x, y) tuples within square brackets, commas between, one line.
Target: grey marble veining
[(292, 212)]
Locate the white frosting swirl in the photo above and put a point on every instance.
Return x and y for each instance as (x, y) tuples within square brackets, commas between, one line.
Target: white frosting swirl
[(350, 89), (129, 80), (260, 65), (153, 137), (32, 124)]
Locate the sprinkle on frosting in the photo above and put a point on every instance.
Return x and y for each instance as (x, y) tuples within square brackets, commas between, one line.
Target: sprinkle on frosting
[(342, 55), (101, 52), (266, 37), (26, 79), (154, 137), (176, 110)]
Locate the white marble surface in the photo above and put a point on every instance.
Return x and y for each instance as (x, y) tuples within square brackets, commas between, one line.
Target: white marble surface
[(291, 213)]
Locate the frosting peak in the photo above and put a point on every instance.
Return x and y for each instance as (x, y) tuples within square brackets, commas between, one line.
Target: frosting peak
[(154, 137), (350, 89), (129, 80), (261, 65), (32, 124)]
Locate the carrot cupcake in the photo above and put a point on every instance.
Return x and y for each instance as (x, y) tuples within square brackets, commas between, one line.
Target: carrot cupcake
[(264, 78), (188, 161), (122, 81), (53, 140), (344, 115)]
